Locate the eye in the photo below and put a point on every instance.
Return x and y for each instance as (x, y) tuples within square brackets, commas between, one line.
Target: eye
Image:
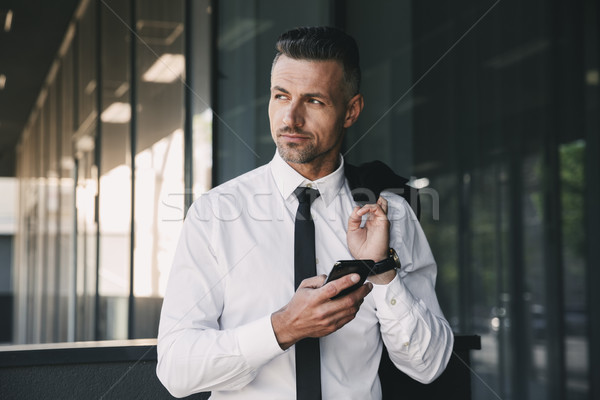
[(279, 96), (315, 101)]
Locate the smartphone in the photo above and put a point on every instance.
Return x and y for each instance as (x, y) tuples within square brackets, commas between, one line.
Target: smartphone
[(345, 267)]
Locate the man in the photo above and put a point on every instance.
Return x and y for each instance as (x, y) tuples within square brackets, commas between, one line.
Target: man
[(232, 319)]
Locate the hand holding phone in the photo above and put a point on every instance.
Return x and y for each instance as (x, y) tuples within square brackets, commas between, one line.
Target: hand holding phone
[(345, 267)]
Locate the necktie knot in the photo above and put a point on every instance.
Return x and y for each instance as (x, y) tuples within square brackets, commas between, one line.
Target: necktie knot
[(306, 195), (305, 198)]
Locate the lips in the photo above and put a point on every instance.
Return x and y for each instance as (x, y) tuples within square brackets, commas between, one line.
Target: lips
[(293, 136)]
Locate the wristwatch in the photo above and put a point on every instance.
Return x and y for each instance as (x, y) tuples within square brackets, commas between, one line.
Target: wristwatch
[(392, 261)]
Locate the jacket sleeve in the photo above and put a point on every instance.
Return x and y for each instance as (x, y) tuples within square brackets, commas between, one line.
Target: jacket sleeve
[(418, 338)]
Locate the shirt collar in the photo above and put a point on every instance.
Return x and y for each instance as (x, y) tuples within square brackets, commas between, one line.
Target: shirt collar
[(288, 179)]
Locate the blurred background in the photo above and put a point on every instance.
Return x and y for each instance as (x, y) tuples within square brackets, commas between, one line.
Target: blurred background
[(116, 114)]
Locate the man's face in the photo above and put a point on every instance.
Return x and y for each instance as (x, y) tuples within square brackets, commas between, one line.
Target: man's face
[(307, 110)]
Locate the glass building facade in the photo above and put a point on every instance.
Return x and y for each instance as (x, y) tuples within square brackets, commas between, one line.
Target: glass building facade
[(492, 108)]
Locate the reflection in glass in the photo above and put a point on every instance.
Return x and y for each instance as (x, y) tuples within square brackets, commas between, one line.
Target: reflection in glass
[(200, 92), (115, 173), (158, 207), (52, 215), (247, 31), (86, 183), (572, 156), (386, 77), (203, 151), (115, 222), (85, 199), (66, 319), (159, 183), (535, 334)]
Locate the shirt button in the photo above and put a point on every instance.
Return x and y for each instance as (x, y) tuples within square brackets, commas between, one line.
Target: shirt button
[(406, 344), (393, 302), (316, 260), (309, 185)]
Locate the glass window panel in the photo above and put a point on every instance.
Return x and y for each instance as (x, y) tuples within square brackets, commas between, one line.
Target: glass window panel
[(573, 251), (86, 183), (66, 313), (159, 185), (463, 112), (115, 174), (247, 31), (37, 239), (51, 189), (535, 333), (201, 98), (86, 66), (45, 252), (23, 256), (85, 193), (19, 256), (386, 80)]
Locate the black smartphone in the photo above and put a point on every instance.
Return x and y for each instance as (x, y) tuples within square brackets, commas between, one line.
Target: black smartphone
[(345, 267)]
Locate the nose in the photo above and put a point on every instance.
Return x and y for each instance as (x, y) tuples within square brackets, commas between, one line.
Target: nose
[(293, 116)]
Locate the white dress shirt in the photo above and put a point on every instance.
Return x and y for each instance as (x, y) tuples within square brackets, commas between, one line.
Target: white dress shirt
[(234, 267)]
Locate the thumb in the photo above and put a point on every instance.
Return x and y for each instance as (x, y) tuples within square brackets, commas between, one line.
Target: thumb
[(354, 220), (314, 282)]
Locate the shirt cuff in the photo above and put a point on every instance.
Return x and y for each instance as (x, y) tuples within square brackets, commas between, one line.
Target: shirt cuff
[(257, 341), (393, 301)]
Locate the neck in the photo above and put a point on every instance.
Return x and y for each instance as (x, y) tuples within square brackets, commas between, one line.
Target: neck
[(315, 170)]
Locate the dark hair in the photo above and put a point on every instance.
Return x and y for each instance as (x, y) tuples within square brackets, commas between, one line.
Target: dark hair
[(323, 43)]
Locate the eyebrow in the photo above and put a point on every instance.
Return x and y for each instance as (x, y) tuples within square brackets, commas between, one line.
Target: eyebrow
[(315, 94), (279, 89)]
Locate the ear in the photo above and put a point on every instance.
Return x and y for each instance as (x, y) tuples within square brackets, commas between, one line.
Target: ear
[(353, 110)]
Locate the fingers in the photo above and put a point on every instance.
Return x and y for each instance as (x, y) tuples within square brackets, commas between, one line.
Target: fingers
[(358, 296), (313, 282), (334, 287), (378, 212), (338, 312), (378, 209), (312, 313), (347, 306), (382, 202)]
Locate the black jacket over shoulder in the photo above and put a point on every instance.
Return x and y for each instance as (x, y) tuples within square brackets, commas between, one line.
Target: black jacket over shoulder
[(368, 180)]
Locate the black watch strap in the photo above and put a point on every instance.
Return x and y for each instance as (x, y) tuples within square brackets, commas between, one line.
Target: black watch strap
[(387, 264)]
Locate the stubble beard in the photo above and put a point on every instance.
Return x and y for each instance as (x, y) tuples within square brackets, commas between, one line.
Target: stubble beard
[(296, 153)]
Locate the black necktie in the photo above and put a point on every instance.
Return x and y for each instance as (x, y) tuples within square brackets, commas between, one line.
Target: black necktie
[(308, 361)]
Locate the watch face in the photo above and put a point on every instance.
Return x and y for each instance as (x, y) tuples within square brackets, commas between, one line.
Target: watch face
[(395, 257)]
